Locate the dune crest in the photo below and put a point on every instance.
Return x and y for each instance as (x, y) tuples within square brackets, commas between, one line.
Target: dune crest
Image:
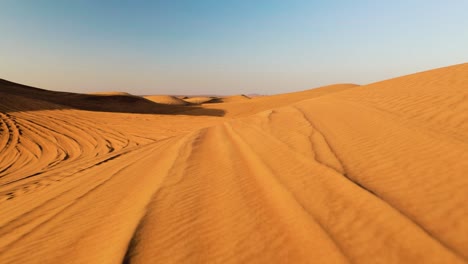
[(338, 174)]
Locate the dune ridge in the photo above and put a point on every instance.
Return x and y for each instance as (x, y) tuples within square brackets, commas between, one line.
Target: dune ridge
[(339, 174)]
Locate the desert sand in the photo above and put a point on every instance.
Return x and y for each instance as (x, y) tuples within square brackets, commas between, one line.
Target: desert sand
[(339, 174)]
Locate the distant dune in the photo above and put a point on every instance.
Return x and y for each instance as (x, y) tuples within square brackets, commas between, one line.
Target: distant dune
[(234, 98), (166, 99), (111, 93), (202, 100), (17, 97), (240, 108), (338, 174)]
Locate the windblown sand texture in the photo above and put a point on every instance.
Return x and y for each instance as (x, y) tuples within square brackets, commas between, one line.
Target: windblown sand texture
[(340, 174)]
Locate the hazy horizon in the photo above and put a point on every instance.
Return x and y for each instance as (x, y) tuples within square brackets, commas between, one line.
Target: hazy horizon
[(224, 47)]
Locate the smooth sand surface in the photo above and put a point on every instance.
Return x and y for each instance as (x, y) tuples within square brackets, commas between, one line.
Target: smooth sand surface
[(339, 174)]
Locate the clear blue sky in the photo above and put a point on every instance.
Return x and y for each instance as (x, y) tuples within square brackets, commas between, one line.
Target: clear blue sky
[(223, 46)]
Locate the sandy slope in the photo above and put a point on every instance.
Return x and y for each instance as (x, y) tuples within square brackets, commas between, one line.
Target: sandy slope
[(341, 174)]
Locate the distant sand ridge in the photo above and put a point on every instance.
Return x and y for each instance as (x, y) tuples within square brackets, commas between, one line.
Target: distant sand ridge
[(338, 174)]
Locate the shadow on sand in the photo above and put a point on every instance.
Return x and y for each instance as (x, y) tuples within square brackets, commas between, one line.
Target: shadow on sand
[(16, 97)]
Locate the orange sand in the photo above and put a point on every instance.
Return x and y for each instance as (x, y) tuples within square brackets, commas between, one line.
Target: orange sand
[(339, 174)]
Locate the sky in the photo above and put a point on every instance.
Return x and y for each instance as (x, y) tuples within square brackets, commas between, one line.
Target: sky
[(225, 47)]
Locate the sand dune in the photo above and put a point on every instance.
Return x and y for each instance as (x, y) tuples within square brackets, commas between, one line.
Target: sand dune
[(17, 97), (166, 99), (242, 108), (339, 174), (234, 98), (111, 93), (202, 100)]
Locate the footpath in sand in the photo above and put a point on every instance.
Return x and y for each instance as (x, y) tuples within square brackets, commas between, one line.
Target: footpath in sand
[(339, 174)]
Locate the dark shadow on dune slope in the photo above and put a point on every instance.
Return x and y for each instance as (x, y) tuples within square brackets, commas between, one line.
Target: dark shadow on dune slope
[(16, 97)]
